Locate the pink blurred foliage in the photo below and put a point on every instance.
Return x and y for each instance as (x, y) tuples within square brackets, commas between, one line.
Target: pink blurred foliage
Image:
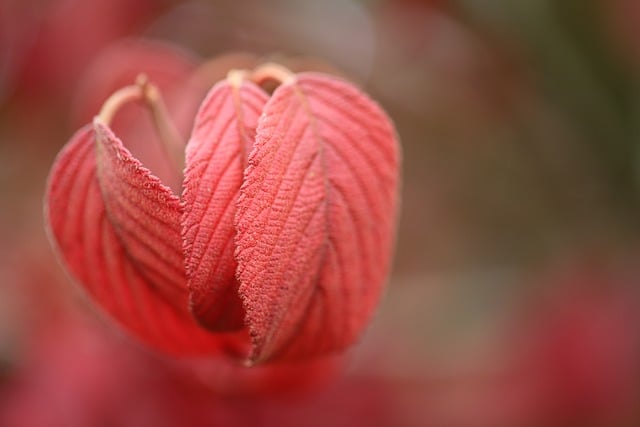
[(580, 345), (47, 43), (67, 367), (76, 374), (570, 357)]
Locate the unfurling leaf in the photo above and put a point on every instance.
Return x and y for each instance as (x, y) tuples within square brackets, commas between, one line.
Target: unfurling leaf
[(216, 157), (278, 247), (91, 247), (315, 218)]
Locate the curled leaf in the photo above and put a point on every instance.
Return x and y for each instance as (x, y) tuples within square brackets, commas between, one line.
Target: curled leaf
[(216, 155), (315, 218), (92, 250), (145, 214)]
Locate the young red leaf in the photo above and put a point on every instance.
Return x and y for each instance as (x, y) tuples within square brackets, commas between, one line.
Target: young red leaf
[(81, 228), (216, 155), (145, 215), (315, 218)]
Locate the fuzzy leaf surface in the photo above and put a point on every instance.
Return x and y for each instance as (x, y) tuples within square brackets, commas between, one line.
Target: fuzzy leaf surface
[(91, 248), (216, 155), (316, 218)]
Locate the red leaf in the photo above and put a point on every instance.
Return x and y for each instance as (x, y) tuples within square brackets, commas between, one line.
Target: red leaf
[(216, 155), (95, 256), (315, 218), (145, 215)]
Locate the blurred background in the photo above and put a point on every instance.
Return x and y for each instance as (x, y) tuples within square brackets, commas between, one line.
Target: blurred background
[(515, 297)]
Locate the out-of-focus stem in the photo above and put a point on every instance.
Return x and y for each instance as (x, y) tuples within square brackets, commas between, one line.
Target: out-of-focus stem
[(169, 135), (235, 77), (117, 100), (143, 90), (274, 72)]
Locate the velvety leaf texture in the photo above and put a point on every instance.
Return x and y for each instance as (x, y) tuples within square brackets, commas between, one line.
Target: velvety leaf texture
[(145, 215), (91, 240), (277, 249), (216, 155), (315, 218)]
